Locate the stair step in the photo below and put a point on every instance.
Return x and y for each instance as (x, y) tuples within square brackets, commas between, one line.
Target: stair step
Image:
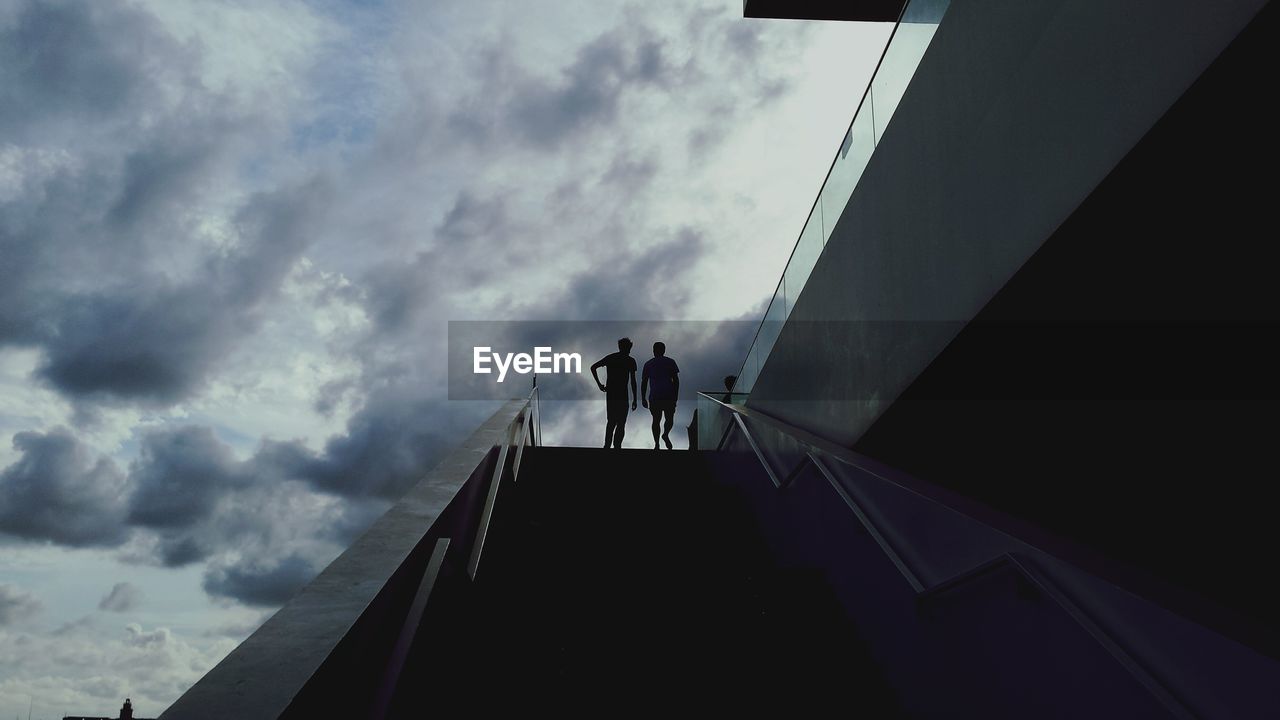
[(629, 576)]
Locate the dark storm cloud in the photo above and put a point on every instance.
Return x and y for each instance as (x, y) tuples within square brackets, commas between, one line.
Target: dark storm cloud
[(471, 218), (649, 283), (331, 394), (399, 293), (198, 500), (90, 243), (588, 94), (200, 503), (85, 107), (275, 228), (726, 42), (256, 583), (475, 240), (159, 177), (153, 344), (386, 449), (123, 597), (591, 90), (156, 342), (706, 359), (628, 277), (180, 476), (178, 548), (264, 533), (629, 174), (16, 605), (389, 444), (60, 492), (73, 61), (476, 244)]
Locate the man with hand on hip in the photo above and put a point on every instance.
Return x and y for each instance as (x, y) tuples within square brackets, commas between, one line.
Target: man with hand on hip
[(619, 367)]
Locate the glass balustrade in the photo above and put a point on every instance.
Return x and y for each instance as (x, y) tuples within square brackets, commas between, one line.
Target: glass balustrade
[(714, 418), (911, 37)]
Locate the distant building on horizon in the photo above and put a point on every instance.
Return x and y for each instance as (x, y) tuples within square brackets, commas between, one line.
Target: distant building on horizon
[(126, 713)]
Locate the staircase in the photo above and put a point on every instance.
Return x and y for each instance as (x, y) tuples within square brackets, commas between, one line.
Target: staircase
[(623, 579), (773, 574)]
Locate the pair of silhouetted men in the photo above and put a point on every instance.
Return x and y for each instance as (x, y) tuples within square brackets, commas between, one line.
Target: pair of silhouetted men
[(658, 391)]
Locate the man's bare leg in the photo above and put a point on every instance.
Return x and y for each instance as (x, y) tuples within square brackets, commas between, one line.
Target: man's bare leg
[(608, 433), (666, 427), (656, 417)]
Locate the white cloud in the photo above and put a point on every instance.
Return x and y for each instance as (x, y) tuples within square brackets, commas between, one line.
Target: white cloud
[(89, 668), (305, 334), (250, 50)]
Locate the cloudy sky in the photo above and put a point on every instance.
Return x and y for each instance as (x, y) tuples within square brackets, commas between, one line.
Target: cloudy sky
[(232, 234)]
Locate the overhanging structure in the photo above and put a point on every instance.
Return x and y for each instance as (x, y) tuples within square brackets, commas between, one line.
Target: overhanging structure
[(856, 10)]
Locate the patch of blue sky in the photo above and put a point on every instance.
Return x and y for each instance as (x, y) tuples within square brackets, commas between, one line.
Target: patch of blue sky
[(242, 443), (331, 132), (344, 80)]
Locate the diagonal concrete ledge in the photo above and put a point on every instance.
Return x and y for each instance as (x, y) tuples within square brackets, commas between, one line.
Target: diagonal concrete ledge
[(262, 676)]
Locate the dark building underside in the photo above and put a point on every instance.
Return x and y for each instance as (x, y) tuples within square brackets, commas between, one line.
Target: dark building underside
[(1121, 389), (864, 10)]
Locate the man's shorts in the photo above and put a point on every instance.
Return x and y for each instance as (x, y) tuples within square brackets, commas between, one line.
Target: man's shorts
[(616, 408), (660, 406)]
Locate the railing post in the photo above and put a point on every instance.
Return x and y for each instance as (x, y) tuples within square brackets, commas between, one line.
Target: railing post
[(409, 631), (482, 533)]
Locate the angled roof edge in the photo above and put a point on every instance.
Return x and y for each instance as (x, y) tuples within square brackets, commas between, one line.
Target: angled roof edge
[(857, 10)]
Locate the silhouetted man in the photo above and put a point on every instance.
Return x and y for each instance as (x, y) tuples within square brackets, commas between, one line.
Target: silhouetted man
[(619, 367), (659, 388)]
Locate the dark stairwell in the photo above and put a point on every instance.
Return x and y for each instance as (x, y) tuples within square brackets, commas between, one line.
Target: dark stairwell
[(620, 580)]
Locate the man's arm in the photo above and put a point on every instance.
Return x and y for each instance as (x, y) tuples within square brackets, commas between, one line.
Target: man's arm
[(644, 386), (675, 380), (633, 388), (594, 375)]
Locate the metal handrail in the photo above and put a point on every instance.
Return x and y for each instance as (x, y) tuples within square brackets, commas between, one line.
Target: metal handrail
[(409, 631), (755, 448), (887, 547), (521, 430), (816, 449)]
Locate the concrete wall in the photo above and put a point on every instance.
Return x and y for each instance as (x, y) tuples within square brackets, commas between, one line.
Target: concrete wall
[(370, 584), (1017, 111)]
